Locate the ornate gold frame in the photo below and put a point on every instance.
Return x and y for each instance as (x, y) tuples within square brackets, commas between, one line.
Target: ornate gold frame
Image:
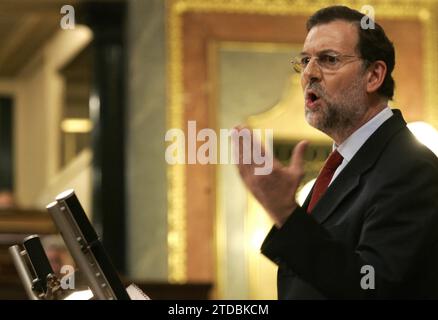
[(423, 10)]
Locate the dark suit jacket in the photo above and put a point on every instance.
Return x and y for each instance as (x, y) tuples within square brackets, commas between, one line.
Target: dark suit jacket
[(381, 211)]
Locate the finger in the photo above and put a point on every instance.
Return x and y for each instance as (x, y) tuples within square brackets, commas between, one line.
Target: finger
[(297, 159), (237, 144), (238, 138), (256, 142), (239, 127)]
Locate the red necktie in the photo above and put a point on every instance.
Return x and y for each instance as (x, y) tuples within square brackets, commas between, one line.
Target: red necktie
[(324, 178)]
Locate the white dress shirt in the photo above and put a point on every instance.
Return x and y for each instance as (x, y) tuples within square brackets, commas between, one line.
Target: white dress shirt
[(353, 143)]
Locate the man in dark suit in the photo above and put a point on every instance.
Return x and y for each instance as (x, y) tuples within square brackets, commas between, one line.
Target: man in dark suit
[(369, 227)]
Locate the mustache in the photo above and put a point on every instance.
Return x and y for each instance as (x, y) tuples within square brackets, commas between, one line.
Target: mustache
[(317, 88)]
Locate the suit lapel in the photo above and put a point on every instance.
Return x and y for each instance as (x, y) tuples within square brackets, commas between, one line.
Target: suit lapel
[(364, 159), (334, 195)]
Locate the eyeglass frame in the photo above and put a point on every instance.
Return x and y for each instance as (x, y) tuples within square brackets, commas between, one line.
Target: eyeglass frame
[(298, 67)]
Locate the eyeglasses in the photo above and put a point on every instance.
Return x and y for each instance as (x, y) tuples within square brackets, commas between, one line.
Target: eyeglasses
[(326, 61)]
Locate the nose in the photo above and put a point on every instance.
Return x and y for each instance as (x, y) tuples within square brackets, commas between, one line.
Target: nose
[(312, 72)]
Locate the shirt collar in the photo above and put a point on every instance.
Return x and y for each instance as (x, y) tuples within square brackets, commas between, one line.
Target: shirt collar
[(355, 141)]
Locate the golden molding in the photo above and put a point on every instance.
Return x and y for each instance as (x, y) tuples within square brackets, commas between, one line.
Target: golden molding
[(176, 204), (423, 10), (386, 8)]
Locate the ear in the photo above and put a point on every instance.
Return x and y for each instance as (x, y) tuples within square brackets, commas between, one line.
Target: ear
[(376, 75)]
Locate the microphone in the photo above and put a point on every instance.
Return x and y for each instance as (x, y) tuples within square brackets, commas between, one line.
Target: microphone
[(86, 247), (34, 270)]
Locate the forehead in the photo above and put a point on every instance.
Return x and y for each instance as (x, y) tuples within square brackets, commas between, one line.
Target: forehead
[(341, 36)]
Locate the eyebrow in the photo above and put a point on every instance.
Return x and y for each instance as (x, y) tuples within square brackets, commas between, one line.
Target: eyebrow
[(325, 51)]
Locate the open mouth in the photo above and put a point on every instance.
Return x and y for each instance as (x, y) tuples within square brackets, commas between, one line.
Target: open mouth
[(311, 98)]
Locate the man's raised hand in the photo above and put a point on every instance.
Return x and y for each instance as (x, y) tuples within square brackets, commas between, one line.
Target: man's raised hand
[(275, 191)]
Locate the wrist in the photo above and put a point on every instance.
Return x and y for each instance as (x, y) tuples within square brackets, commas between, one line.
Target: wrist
[(280, 219)]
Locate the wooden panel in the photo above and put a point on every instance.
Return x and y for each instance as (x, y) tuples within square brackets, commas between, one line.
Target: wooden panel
[(20, 221), (408, 72), (199, 31)]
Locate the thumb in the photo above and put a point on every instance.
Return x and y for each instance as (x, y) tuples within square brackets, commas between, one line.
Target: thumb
[(296, 164)]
